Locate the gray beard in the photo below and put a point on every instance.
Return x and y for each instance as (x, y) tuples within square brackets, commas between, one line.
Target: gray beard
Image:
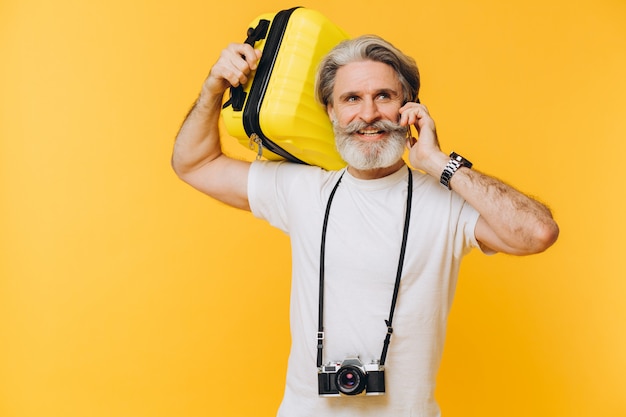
[(364, 155)]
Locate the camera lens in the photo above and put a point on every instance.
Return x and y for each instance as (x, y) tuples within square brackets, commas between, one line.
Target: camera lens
[(350, 380)]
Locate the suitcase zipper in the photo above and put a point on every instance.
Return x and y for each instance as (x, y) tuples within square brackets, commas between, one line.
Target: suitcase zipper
[(257, 91), (255, 139)]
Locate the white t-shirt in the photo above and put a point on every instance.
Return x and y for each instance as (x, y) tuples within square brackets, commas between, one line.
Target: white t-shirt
[(362, 249)]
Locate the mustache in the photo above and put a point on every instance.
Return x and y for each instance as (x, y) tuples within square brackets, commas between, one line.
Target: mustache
[(382, 125)]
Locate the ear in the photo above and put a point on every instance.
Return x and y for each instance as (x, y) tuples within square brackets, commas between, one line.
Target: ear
[(331, 113)]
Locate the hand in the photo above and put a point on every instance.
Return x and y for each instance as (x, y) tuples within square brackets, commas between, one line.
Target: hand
[(233, 68), (424, 153)]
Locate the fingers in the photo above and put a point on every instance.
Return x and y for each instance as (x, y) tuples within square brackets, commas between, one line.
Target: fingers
[(235, 64), (411, 114), (417, 114), (239, 61)]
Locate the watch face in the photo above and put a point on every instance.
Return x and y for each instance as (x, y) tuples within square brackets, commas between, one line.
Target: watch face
[(462, 161)]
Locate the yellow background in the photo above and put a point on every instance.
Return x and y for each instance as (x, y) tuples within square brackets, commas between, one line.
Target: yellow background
[(125, 293)]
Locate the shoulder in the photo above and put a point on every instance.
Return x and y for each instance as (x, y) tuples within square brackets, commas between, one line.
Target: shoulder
[(286, 174), (430, 196), (278, 191)]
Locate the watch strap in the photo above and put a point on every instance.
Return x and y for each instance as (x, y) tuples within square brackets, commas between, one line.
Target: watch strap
[(456, 161)]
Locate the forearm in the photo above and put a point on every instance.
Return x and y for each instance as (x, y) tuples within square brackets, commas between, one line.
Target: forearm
[(198, 140), (510, 221), (517, 223)]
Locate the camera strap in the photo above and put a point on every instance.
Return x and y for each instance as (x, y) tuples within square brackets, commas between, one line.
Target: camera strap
[(407, 218)]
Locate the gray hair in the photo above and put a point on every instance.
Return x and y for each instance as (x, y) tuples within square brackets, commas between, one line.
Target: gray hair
[(366, 48)]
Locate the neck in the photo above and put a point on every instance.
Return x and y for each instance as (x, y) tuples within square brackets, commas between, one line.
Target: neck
[(372, 174)]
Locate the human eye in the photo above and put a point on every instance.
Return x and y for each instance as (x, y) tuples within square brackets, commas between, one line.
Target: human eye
[(383, 96)]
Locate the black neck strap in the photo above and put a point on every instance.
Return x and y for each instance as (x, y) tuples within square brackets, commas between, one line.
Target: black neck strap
[(320, 328)]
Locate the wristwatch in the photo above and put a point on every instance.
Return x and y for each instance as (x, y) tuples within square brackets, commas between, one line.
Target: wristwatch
[(456, 162)]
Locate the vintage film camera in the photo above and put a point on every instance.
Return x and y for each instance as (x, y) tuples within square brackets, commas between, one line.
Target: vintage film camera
[(351, 377)]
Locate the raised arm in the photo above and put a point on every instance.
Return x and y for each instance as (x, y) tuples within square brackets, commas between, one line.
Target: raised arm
[(197, 157), (510, 221)]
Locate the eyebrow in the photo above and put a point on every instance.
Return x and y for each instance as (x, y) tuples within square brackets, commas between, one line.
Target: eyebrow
[(390, 92)]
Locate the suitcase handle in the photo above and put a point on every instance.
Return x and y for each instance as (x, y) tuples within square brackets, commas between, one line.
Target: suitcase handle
[(237, 95)]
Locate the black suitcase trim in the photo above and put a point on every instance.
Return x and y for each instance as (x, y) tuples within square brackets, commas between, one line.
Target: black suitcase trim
[(259, 85)]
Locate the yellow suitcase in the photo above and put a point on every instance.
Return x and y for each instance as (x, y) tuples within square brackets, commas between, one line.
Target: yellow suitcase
[(276, 113)]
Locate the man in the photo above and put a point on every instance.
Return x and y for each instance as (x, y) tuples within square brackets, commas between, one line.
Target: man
[(370, 91)]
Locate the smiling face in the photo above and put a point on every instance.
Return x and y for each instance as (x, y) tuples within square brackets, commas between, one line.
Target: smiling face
[(367, 97)]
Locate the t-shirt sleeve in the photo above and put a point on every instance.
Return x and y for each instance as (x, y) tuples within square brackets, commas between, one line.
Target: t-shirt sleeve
[(467, 221), (263, 193)]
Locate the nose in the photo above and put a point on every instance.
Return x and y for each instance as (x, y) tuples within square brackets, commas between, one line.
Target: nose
[(369, 111)]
